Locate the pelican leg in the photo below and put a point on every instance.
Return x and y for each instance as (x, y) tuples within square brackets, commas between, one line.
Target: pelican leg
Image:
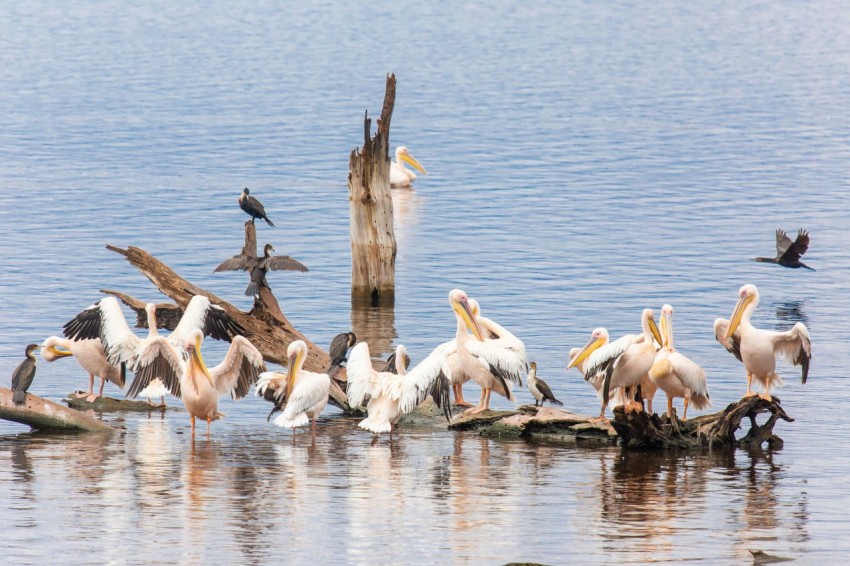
[(483, 404), (313, 427), (749, 385), (459, 400), (669, 407), (478, 408), (209, 422), (685, 414), (192, 420), (162, 401), (649, 405)]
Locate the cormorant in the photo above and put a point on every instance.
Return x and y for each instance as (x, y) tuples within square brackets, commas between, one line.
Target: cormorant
[(539, 389), (23, 375), (338, 350), (253, 207), (258, 266), (787, 252)]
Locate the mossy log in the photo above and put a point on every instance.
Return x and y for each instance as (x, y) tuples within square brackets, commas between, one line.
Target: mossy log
[(42, 414), (373, 243), (109, 404), (265, 325), (641, 430), (537, 423)]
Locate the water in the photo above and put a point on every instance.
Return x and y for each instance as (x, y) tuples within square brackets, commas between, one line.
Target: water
[(586, 161)]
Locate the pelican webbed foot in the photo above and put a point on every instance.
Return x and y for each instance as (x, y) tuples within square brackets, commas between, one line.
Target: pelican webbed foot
[(766, 397), (463, 403), (600, 420), (475, 410), (92, 397)]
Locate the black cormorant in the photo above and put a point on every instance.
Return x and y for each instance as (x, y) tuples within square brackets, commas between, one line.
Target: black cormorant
[(539, 389), (787, 252), (253, 207), (258, 266), (338, 350), (23, 375)]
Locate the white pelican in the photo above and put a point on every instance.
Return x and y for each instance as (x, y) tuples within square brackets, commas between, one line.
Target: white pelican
[(392, 395), (91, 357), (623, 363), (675, 374), (303, 392), (757, 348), (594, 379), (198, 386), (539, 389), (492, 364), (401, 176)]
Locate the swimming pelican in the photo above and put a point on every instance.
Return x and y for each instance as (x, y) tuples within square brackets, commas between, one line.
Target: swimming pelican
[(787, 252), (338, 350), (675, 374), (392, 395), (91, 357), (190, 380), (23, 375), (539, 389), (624, 362), (302, 394), (253, 207), (401, 176), (259, 266), (757, 348)]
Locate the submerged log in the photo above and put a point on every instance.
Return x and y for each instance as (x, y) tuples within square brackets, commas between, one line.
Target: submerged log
[(109, 404), (265, 325), (42, 414), (539, 423), (641, 430), (373, 243)]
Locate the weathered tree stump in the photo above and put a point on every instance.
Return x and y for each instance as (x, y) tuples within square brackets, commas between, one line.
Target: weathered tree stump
[(373, 243), (641, 430), (42, 414), (265, 326)]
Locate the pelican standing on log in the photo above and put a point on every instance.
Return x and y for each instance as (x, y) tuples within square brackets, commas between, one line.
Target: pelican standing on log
[(198, 386), (91, 357), (539, 388), (391, 395), (596, 380), (23, 375), (253, 207), (401, 176), (758, 348), (675, 374), (302, 394), (787, 252), (259, 266)]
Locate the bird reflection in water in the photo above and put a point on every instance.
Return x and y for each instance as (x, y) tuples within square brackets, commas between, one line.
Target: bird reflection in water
[(405, 214), (789, 313)]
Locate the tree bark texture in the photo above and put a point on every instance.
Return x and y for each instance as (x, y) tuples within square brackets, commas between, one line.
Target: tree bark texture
[(373, 243), (42, 414)]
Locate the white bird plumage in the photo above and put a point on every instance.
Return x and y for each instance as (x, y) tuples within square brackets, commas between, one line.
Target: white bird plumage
[(401, 176), (91, 357)]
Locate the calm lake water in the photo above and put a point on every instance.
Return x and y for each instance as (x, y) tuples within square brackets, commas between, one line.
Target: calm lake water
[(586, 161)]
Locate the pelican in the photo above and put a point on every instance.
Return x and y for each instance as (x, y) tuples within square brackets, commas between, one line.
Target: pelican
[(190, 380), (757, 348), (596, 379), (338, 350), (401, 176), (787, 252), (91, 357), (394, 365), (392, 395), (303, 392), (675, 374), (259, 266), (23, 375), (253, 207), (539, 389), (623, 363)]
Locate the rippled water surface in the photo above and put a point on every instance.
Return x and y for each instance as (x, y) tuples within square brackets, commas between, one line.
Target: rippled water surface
[(586, 161)]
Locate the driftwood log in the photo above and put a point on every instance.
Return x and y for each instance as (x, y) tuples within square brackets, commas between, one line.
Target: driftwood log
[(109, 404), (42, 414), (539, 423), (265, 325), (373, 243), (641, 430)]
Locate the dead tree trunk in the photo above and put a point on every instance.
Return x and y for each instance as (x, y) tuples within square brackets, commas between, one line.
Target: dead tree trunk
[(265, 326), (373, 243), (42, 414)]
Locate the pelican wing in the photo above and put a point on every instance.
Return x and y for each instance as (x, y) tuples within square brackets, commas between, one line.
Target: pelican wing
[(284, 263), (158, 359), (271, 386), (502, 362), (426, 378), (783, 242), (309, 390), (362, 378), (797, 249), (691, 375), (105, 320), (502, 337), (603, 358), (239, 262), (796, 347), (239, 370), (733, 344), (212, 320)]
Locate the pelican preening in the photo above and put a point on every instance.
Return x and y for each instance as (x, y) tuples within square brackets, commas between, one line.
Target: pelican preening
[(190, 380), (253, 207), (23, 375), (397, 365), (338, 350), (539, 389), (300, 393), (624, 363), (757, 348), (401, 176), (675, 374), (391, 395), (91, 357), (259, 266), (787, 252)]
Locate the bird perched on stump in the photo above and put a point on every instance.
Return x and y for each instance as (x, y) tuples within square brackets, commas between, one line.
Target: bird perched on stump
[(253, 207), (259, 266), (23, 375), (788, 253), (539, 389)]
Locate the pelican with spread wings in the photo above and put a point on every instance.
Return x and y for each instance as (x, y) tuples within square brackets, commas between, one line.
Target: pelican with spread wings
[(788, 253)]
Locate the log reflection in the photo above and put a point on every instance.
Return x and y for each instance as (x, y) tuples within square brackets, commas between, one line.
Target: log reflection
[(374, 325)]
